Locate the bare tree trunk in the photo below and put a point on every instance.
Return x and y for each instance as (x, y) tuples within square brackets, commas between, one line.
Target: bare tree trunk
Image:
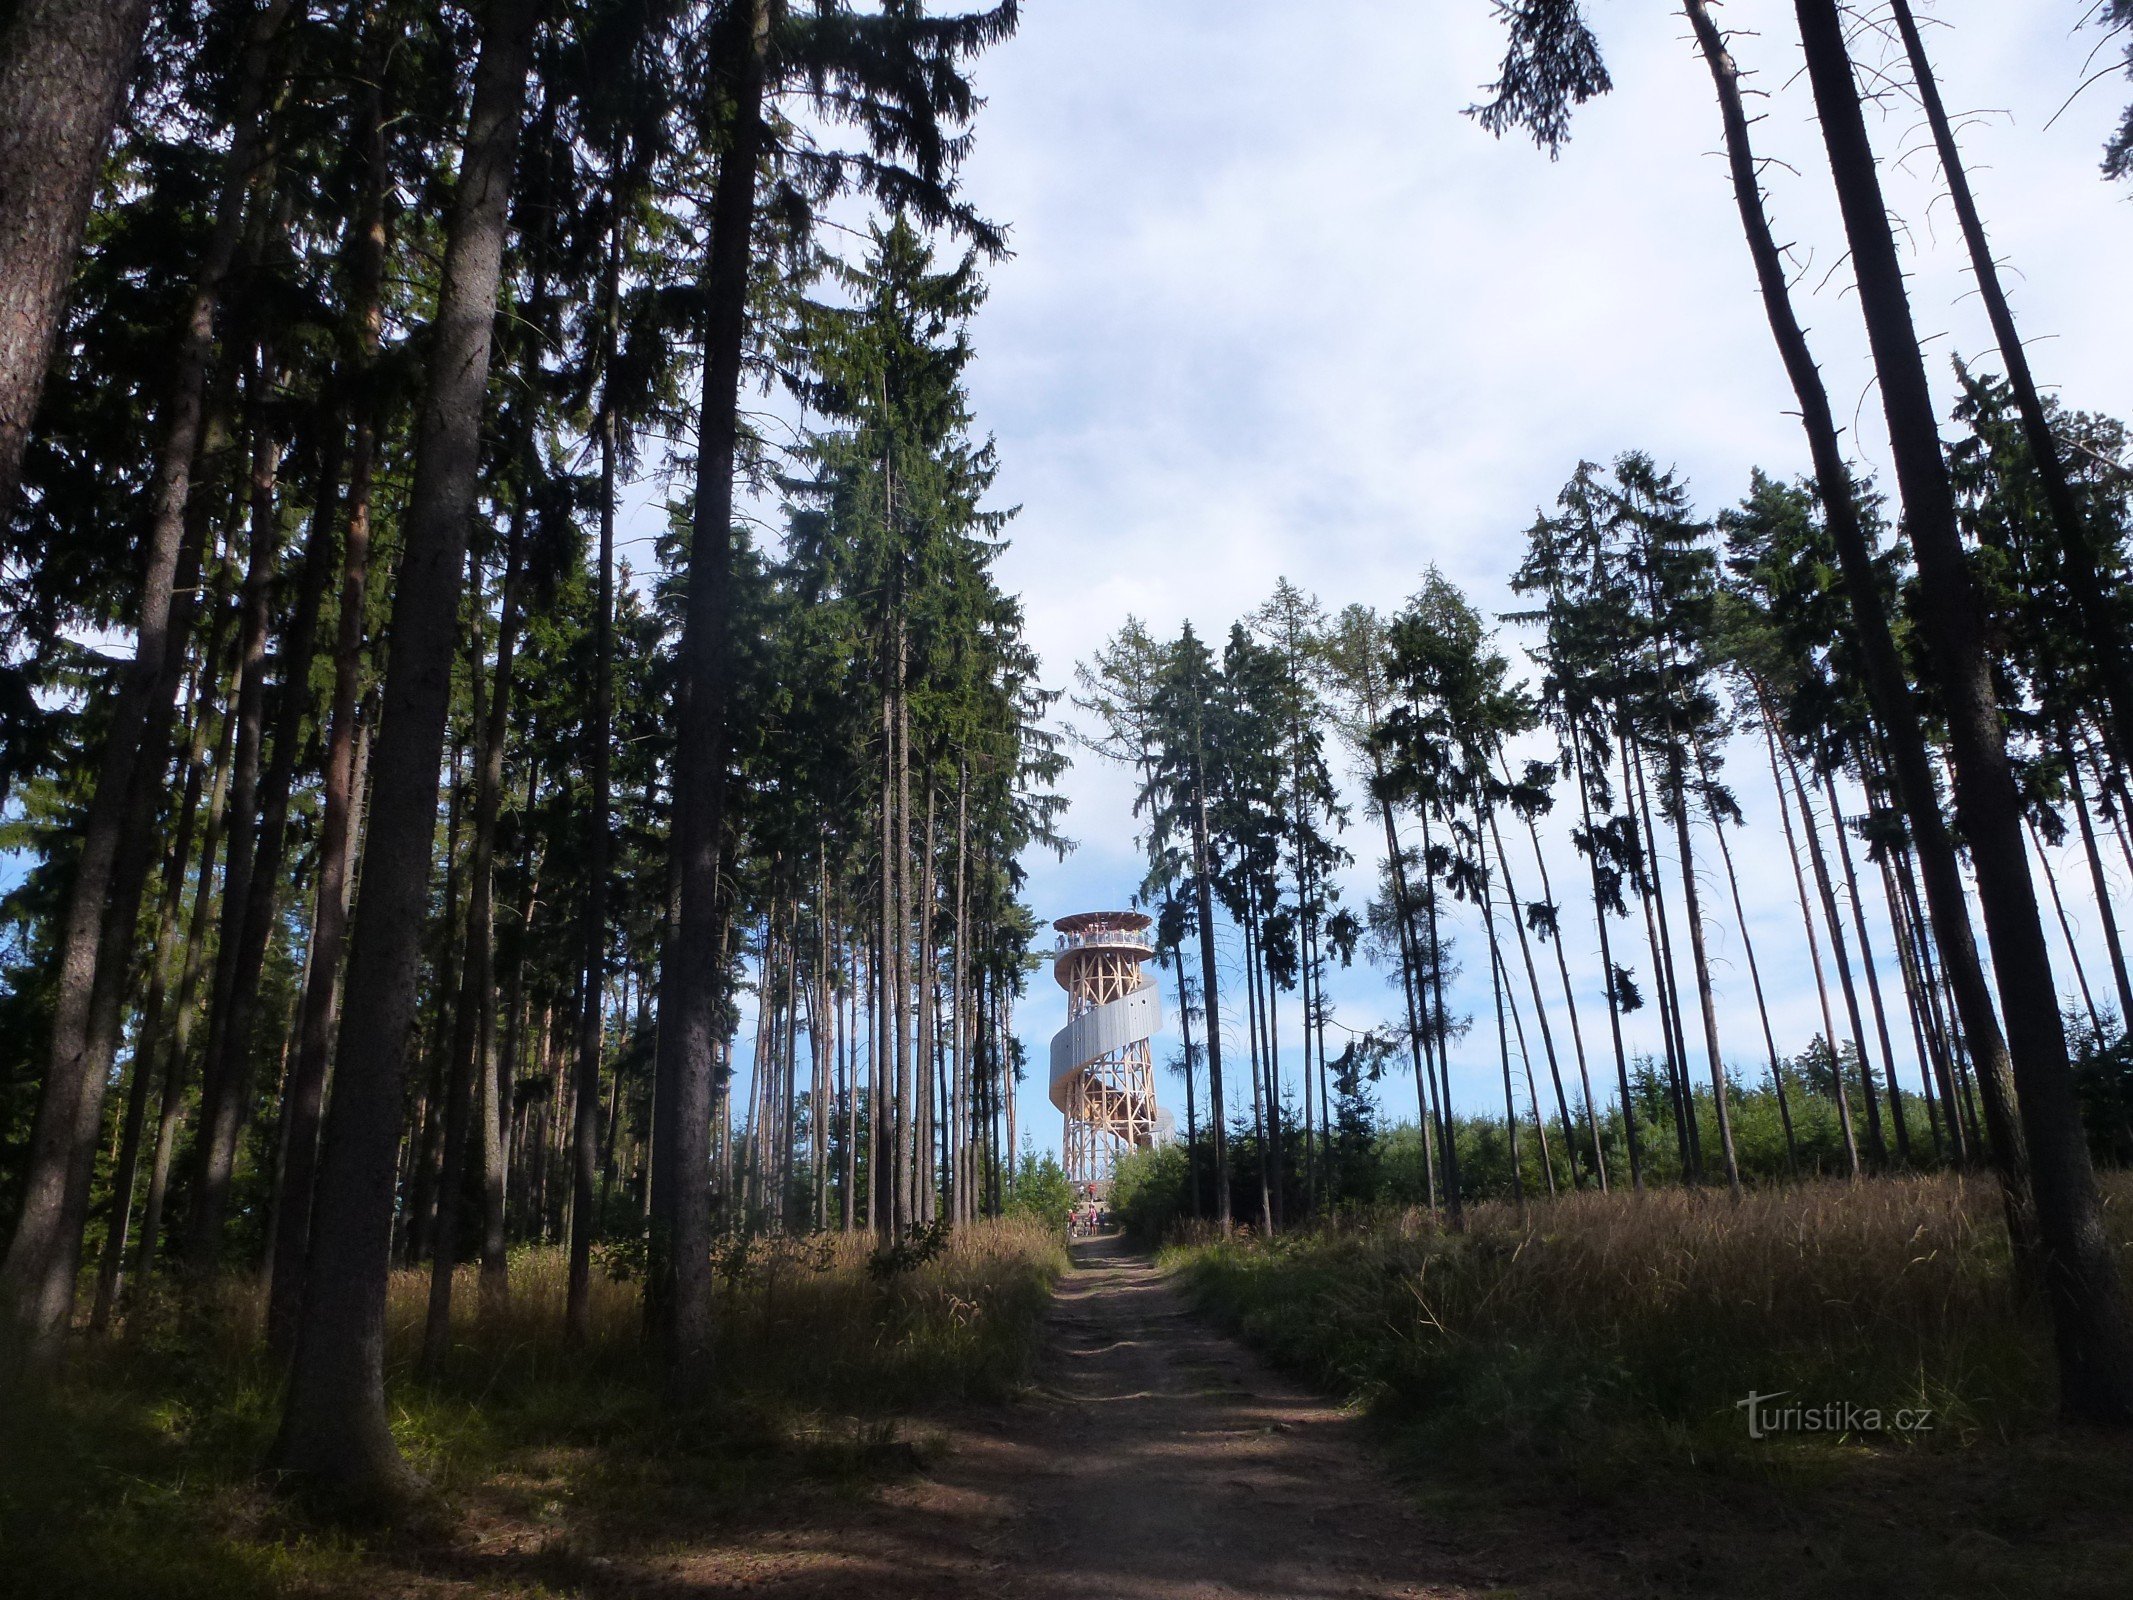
[(1807, 918), (1607, 965), (340, 783), (1570, 1006), (37, 1279), (903, 1202), (2099, 883), (1210, 994), (179, 1051), (848, 1083), (585, 1119), (1659, 937), (1873, 988), (222, 1091), (334, 1429), (925, 1176), (2066, 928), (2081, 1276), (1411, 977), (2101, 629), (1911, 768), (1503, 1038), (64, 69), (959, 1138), (677, 1293), (1945, 1041), (1255, 1032), (264, 876), (1192, 1120), (1762, 1009), (1440, 1024), (1914, 991), (1525, 1056), (1540, 1011), (148, 1039), (1833, 920)]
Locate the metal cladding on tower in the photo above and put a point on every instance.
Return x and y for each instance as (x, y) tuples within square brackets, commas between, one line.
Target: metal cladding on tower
[(1103, 1074)]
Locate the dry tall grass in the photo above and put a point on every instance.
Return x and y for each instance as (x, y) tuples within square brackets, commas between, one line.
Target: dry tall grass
[(1593, 1321), (138, 1474), (802, 1321)]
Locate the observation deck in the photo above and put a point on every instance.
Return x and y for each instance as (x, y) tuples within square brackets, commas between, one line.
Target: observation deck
[(1103, 1077)]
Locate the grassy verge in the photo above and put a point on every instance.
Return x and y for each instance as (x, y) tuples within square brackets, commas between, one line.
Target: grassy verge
[(1587, 1362), (138, 1473)]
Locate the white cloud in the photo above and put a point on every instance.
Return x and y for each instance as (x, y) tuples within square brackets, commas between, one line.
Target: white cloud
[(1277, 309)]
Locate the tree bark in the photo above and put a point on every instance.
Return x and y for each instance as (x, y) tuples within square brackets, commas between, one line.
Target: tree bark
[(38, 1275), (2091, 1321), (1873, 990), (2101, 630), (1540, 1010), (64, 69), (1888, 690), (340, 783), (148, 1038), (334, 1430), (1607, 963), (1210, 1002), (585, 1121)]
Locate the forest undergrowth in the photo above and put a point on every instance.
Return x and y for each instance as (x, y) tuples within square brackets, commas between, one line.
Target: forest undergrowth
[(140, 1473), (1595, 1356)]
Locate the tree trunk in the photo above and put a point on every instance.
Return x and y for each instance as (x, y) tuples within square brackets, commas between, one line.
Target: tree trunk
[(179, 1051), (1440, 1030), (1834, 921), (1411, 977), (1873, 990), (2101, 630), (1659, 938), (37, 1279), (1503, 1038), (148, 1038), (2066, 929), (341, 783), (585, 1120), (1570, 1006), (64, 69), (1911, 769), (1210, 1002), (334, 1429), (1807, 918), (1762, 1009), (222, 1092), (1607, 964), (2099, 884), (2081, 1275), (678, 1291), (1540, 1011)]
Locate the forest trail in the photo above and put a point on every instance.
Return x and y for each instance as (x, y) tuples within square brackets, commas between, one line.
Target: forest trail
[(1159, 1459), (1155, 1459)]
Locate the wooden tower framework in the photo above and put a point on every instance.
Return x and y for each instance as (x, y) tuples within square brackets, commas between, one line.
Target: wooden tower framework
[(1103, 1072)]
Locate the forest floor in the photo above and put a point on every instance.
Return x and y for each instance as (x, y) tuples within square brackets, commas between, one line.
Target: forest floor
[(1154, 1457), (1157, 1458)]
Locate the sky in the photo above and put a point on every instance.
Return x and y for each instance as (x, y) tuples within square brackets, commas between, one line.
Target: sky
[(1276, 308)]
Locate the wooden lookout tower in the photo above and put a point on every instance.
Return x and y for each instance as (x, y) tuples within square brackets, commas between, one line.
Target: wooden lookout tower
[(1103, 1075)]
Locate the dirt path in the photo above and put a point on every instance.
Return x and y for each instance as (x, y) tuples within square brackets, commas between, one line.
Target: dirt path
[(1156, 1460), (1160, 1460)]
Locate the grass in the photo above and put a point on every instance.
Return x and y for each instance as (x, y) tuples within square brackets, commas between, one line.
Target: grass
[(137, 1473), (1585, 1362)]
